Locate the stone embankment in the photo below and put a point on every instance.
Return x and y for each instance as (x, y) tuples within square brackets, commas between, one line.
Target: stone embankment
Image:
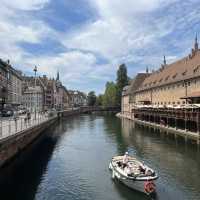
[(16, 135), (166, 129)]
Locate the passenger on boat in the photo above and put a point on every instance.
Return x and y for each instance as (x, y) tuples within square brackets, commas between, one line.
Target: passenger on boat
[(127, 170), (125, 160), (142, 169)]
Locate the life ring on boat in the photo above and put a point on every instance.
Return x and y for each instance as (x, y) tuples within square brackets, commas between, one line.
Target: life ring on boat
[(149, 187)]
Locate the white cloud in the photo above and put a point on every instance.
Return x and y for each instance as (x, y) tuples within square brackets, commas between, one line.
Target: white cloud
[(122, 32), (121, 29), (25, 4), (24, 29), (119, 9), (70, 64)]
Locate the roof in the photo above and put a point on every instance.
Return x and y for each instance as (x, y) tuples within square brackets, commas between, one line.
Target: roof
[(183, 69), (135, 83)]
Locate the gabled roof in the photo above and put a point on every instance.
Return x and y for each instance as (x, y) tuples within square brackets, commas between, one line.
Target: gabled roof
[(183, 69)]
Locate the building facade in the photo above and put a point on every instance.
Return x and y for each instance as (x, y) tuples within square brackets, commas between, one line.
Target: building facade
[(128, 94), (66, 99), (14, 86), (172, 85), (54, 94), (33, 99), (77, 98), (11, 84), (3, 84), (58, 94)]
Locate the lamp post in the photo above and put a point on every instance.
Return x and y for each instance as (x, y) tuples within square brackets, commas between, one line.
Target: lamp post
[(35, 103)]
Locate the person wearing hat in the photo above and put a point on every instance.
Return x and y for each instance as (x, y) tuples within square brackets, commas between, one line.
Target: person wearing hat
[(125, 160)]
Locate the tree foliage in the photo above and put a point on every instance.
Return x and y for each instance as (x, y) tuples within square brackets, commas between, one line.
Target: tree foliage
[(91, 98), (109, 98), (113, 91), (121, 82), (99, 100)]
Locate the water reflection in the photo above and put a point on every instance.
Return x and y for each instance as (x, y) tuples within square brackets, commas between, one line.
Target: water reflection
[(71, 162), (21, 178), (177, 162)]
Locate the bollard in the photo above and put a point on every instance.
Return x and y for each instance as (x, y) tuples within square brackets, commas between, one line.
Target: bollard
[(1, 128), (15, 125), (9, 127), (21, 124)]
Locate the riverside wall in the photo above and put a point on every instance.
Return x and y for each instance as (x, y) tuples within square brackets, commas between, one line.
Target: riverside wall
[(187, 135), (12, 145)]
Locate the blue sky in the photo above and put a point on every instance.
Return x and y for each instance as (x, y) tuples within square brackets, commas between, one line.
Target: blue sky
[(86, 40)]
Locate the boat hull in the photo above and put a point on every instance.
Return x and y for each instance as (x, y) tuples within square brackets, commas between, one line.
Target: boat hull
[(138, 185)]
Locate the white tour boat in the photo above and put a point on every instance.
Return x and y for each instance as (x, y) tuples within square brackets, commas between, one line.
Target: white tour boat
[(134, 174)]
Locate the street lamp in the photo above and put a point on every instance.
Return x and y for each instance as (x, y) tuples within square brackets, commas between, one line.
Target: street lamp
[(35, 70)]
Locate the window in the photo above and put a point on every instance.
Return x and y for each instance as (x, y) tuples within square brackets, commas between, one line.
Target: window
[(184, 73), (196, 69), (166, 78), (174, 76)]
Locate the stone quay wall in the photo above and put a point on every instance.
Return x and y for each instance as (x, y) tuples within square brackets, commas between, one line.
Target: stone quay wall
[(14, 144)]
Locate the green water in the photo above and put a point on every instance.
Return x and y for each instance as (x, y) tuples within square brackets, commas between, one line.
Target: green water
[(71, 162)]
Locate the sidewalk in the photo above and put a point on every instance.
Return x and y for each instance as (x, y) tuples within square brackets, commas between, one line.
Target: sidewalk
[(10, 126)]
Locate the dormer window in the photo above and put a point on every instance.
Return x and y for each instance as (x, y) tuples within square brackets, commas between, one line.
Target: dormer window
[(196, 69), (166, 79), (174, 76), (184, 73)]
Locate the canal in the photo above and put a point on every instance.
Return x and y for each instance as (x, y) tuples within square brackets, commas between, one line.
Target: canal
[(71, 162)]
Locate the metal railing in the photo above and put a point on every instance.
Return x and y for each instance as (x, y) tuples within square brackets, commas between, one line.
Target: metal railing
[(12, 126)]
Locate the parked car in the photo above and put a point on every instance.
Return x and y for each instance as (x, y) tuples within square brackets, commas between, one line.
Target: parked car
[(7, 113), (21, 112)]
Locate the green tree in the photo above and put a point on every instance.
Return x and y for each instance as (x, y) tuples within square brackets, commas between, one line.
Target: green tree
[(99, 101), (122, 81), (109, 98), (91, 98)]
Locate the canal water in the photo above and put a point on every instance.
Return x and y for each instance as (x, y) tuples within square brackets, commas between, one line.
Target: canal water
[(71, 162)]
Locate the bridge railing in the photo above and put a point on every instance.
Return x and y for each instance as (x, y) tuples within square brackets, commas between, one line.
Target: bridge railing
[(100, 108)]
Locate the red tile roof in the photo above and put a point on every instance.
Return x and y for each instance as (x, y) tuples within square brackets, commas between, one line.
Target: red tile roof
[(186, 68)]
